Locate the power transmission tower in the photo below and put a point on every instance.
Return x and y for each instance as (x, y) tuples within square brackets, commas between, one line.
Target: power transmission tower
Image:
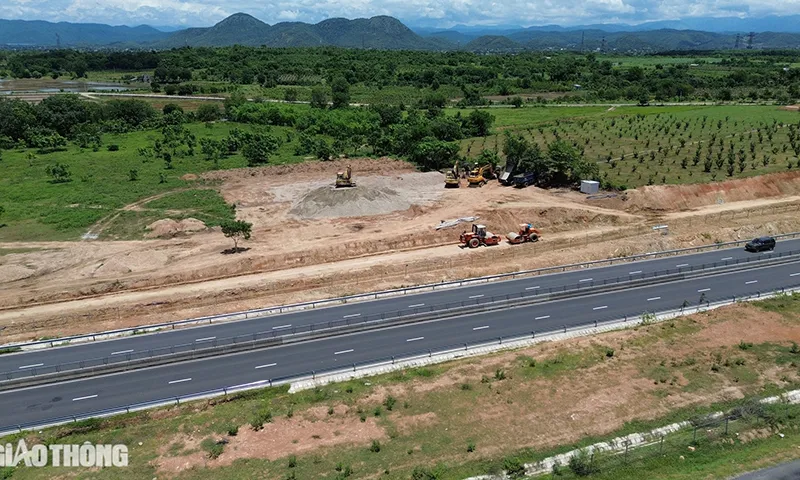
[(58, 40), (603, 45), (583, 37), (738, 41), (750, 40)]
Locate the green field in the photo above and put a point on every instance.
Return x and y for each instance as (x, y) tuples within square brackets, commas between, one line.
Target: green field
[(38, 209), (658, 145)]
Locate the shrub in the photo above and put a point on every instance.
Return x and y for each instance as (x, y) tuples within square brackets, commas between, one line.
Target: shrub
[(212, 447), (500, 374), (795, 348), (745, 346), (471, 447), (466, 386), (292, 461), (233, 430), (581, 465), (330, 410), (513, 466), (389, 402), (113, 147), (609, 352), (375, 447), (259, 419)]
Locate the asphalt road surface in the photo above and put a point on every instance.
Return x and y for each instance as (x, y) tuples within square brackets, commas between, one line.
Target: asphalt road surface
[(123, 348), (785, 471), (39, 404)]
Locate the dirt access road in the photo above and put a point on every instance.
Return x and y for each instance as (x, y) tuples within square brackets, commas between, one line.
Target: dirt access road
[(311, 241)]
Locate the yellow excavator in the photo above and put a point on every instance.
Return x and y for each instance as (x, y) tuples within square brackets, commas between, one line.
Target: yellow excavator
[(345, 179), (451, 178), (479, 176)]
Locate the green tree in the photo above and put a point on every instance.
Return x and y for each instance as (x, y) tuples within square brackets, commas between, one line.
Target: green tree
[(258, 147), (478, 123), (236, 230), (340, 93), (290, 95), (236, 100), (319, 98), (59, 173), (432, 154), (516, 101), (171, 107), (208, 112)]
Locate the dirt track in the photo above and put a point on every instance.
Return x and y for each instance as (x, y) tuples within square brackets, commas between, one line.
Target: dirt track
[(72, 287)]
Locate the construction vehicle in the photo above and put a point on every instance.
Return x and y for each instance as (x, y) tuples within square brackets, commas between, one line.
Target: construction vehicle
[(507, 177), (479, 176), (479, 236), (451, 178), (523, 180), (345, 179), (526, 234)]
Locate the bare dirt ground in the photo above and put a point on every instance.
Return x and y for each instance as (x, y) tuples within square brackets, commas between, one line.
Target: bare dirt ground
[(311, 241)]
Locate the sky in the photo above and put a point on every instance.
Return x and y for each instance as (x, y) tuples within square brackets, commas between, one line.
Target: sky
[(440, 13)]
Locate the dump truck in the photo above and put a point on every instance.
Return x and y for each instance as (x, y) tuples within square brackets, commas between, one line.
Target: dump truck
[(507, 177), (479, 236), (523, 180), (345, 179), (526, 234)]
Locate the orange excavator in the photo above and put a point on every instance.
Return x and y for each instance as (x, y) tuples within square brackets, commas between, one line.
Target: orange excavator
[(479, 236), (526, 234)]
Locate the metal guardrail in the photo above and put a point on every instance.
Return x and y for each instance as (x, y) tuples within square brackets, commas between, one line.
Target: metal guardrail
[(389, 360), (252, 341), (373, 296)]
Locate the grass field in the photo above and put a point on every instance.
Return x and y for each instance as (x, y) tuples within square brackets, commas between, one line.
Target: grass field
[(509, 393), (658, 145), (38, 209)]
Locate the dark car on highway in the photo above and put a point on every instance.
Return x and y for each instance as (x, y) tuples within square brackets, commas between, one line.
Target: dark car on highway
[(760, 244)]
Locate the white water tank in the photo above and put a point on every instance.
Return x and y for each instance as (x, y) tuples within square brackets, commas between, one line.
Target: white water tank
[(590, 186)]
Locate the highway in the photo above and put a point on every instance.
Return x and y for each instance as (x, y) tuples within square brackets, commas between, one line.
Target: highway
[(39, 404), (127, 346)]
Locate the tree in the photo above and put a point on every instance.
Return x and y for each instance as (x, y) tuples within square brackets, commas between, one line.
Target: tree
[(231, 103), (208, 112), (171, 107), (258, 147), (235, 230), (340, 93), (319, 98), (434, 154), (290, 95), (516, 101), (59, 172), (478, 123)]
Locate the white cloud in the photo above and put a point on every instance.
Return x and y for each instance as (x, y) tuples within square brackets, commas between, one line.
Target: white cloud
[(443, 12)]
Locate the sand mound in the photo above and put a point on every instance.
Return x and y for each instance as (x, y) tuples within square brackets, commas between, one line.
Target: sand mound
[(372, 196), (168, 227), (329, 202)]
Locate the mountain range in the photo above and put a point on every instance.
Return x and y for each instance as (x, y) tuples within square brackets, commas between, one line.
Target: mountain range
[(383, 32)]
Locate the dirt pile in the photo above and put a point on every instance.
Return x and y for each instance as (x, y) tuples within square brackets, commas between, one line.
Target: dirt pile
[(372, 196), (685, 197), (167, 227), (360, 166)]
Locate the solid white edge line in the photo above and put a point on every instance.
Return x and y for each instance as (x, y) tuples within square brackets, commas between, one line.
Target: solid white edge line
[(416, 305), (267, 365), (532, 288), (31, 366), (282, 326), (205, 339), (727, 258), (352, 315), (84, 398), (586, 280), (682, 265), (343, 351), (634, 273), (181, 380), (476, 296)]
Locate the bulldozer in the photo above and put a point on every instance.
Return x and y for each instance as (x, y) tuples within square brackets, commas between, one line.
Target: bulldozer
[(526, 234), (451, 178), (479, 236), (479, 176), (345, 179)]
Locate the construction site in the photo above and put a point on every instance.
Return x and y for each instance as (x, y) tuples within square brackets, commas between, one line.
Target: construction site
[(315, 237)]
